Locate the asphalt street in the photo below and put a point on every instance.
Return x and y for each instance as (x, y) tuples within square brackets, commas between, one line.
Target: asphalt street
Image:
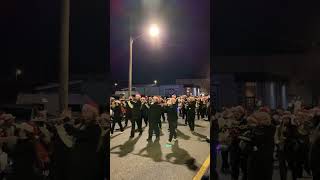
[(136, 159)]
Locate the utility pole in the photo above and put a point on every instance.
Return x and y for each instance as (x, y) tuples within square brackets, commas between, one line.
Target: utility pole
[(130, 67), (64, 55)]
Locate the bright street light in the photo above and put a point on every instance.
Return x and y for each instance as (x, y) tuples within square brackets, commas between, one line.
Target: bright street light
[(155, 81), (18, 73), (154, 30), (115, 84)]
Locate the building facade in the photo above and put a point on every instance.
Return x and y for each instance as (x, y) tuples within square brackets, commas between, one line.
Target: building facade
[(275, 80)]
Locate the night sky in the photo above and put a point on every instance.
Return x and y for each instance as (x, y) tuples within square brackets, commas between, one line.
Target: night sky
[(183, 50), (29, 35), (264, 27), (30, 38)]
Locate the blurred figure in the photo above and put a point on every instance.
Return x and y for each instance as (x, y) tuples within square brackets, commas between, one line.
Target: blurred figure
[(191, 114), (144, 110), (128, 107), (154, 118), (24, 155), (163, 111), (117, 115), (172, 119), (136, 115), (84, 155), (315, 146), (260, 154)]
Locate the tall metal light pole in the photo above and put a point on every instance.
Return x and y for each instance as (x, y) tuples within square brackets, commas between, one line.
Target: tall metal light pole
[(153, 32), (130, 67), (64, 55)]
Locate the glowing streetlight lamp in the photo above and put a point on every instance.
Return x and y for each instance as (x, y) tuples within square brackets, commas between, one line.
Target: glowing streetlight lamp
[(155, 81), (153, 32), (18, 73)]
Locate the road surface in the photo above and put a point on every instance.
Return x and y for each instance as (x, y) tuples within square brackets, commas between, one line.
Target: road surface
[(136, 159)]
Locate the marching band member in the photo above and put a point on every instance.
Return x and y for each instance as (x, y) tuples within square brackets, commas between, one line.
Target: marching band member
[(154, 118), (172, 119)]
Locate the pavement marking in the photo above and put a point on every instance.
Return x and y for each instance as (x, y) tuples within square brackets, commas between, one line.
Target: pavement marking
[(168, 145), (203, 169)]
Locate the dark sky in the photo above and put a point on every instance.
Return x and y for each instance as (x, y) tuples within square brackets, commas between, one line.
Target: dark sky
[(264, 27), (29, 36), (185, 40)]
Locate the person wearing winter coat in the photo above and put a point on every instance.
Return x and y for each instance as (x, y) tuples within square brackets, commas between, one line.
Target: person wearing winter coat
[(84, 155), (314, 156), (238, 160), (260, 155), (117, 115), (24, 155), (62, 143), (280, 139)]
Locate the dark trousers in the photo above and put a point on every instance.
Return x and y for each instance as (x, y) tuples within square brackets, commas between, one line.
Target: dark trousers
[(237, 162), (114, 122), (184, 114), (203, 113), (145, 119), (160, 124), (198, 114), (186, 120), (316, 175), (154, 128), (126, 121), (282, 165), (296, 169), (191, 121), (225, 160), (172, 129), (139, 124), (163, 117)]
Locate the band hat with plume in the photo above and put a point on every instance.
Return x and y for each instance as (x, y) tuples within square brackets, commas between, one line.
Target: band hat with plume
[(91, 108), (286, 113), (286, 116), (303, 115), (239, 109), (26, 127), (316, 111), (264, 109), (38, 120), (227, 114), (260, 118), (7, 117)]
